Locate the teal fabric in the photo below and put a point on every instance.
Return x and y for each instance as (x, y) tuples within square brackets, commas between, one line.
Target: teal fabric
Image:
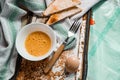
[(9, 18), (33, 5), (104, 43), (61, 29)]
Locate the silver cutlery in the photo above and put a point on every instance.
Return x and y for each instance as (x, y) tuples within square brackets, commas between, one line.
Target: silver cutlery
[(73, 29)]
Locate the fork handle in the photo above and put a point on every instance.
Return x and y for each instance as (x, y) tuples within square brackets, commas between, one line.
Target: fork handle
[(54, 58)]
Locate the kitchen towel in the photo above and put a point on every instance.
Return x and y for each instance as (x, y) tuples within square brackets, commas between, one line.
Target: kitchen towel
[(10, 24), (104, 44)]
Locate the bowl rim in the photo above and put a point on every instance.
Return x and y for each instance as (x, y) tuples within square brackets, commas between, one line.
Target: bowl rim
[(40, 57)]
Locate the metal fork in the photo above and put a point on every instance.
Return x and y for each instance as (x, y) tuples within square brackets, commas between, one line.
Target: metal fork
[(73, 29)]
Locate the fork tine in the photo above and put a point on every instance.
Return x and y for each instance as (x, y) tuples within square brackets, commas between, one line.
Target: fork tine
[(72, 27), (77, 26)]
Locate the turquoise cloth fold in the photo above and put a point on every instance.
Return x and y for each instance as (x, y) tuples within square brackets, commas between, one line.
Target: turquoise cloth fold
[(104, 44)]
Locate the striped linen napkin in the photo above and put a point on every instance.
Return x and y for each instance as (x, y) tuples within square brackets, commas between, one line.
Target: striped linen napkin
[(10, 24), (104, 42)]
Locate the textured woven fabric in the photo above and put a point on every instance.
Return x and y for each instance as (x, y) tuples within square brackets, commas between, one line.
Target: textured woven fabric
[(104, 44)]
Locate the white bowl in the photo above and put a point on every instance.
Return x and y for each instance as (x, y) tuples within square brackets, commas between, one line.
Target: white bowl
[(25, 31)]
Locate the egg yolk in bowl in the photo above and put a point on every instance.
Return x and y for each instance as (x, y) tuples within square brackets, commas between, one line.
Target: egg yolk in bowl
[(37, 43)]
